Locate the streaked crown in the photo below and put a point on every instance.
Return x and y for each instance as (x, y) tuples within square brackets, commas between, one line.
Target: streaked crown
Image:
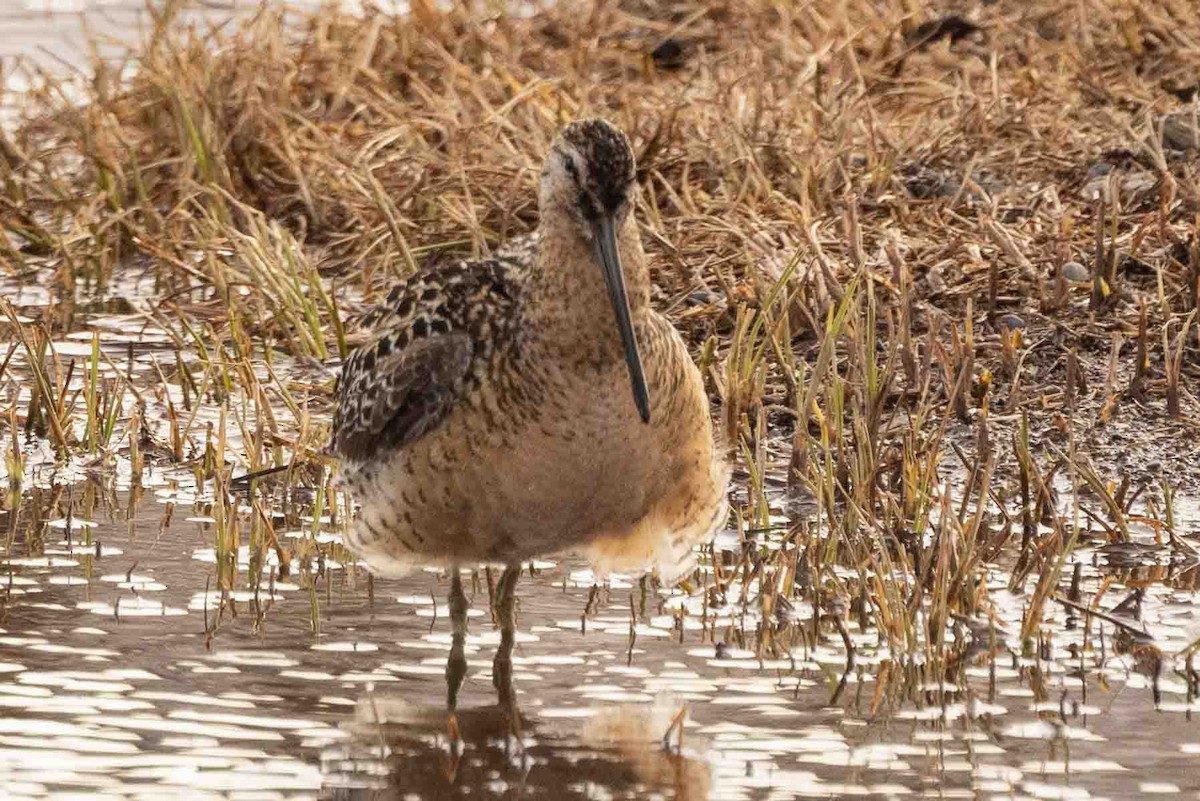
[(599, 160)]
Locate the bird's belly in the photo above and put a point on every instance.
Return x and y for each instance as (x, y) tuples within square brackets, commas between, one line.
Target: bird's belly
[(552, 488), (556, 499), (596, 480), (460, 497), (605, 480)]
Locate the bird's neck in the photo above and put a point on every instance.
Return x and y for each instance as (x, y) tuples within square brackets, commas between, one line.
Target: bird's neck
[(570, 296)]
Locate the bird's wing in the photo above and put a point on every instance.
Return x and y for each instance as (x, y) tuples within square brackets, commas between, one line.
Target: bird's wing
[(520, 250), (431, 336), (386, 402)]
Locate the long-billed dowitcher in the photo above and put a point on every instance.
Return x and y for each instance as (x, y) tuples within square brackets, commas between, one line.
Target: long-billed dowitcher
[(489, 418)]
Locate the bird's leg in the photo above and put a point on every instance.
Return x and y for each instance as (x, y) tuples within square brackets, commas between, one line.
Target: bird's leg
[(456, 664), (502, 663)]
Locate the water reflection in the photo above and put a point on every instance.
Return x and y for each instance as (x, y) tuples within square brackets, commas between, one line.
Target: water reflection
[(617, 752)]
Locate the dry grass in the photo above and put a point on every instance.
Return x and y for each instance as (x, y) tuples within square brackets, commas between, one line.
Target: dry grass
[(860, 219)]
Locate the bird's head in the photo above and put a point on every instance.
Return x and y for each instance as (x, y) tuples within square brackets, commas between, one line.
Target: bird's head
[(589, 172), (589, 180)]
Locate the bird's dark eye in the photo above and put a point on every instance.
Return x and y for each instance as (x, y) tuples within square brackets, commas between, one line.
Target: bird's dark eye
[(587, 206), (572, 170)]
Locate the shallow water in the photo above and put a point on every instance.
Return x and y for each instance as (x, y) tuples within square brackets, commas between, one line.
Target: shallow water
[(118, 675)]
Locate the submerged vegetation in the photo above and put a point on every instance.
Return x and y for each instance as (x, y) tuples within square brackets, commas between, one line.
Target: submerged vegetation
[(942, 277)]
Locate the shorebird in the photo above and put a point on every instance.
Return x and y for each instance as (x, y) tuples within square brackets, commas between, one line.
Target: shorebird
[(533, 403)]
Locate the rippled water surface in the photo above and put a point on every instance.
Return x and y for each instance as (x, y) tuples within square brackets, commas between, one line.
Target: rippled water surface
[(123, 671)]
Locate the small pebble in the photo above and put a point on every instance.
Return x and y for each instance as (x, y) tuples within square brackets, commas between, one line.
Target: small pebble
[(670, 54), (1009, 322), (1180, 132), (1075, 272), (937, 284)]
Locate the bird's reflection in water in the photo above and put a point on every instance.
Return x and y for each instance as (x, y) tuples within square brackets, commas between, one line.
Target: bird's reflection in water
[(412, 751), (616, 753)]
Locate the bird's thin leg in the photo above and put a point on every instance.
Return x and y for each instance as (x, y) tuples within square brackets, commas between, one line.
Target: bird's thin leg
[(456, 669), (502, 663), (456, 664)]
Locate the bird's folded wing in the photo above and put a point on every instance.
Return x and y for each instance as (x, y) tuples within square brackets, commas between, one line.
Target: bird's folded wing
[(389, 398)]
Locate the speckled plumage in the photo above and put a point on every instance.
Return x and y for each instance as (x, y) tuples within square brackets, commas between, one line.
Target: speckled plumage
[(489, 417), (436, 339)]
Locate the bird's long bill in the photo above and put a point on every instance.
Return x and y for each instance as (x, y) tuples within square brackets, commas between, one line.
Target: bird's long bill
[(605, 238)]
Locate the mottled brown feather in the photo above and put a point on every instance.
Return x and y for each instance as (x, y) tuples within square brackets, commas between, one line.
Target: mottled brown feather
[(433, 340), (414, 390)]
